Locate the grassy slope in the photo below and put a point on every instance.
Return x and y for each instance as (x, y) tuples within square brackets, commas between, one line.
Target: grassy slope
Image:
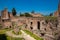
[(33, 35), (10, 38), (2, 31)]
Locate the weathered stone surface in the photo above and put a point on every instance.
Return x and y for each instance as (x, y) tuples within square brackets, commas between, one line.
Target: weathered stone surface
[(36, 24)]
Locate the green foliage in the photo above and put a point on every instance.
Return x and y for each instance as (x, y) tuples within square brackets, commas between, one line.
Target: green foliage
[(19, 33), (21, 14), (50, 18), (13, 32), (51, 14), (26, 15), (8, 37), (2, 31), (14, 24), (13, 11), (11, 38), (33, 35), (32, 11), (7, 29)]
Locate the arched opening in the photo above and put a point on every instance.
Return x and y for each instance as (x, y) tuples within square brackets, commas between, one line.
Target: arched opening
[(2, 20), (31, 28), (42, 34), (10, 26), (25, 25), (59, 14), (31, 25), (38, 25)]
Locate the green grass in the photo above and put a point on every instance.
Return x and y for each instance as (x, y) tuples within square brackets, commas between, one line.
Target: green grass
[(33, 35), (2, 31), (19, 33), (11, 38)]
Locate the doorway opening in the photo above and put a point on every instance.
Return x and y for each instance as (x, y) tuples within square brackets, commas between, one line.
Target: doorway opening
[(38, 25)]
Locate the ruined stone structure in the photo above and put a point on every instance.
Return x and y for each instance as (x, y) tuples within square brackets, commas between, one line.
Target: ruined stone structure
[(57, 13), (30, 22), (36, 24)]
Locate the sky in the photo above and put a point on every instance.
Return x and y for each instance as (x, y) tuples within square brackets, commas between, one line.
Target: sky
[(44, 7)]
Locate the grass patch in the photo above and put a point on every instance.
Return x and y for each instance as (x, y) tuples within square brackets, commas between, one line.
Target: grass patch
[(11, 38), (2, 31), (8, 37), (33, 35), (19, 33), (7, 29)]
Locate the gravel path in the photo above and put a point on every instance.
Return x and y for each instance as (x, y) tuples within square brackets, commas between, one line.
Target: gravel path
[(28, 37)]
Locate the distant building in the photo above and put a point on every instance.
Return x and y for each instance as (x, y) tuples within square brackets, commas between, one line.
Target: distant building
[(37, 15), (57, 13)]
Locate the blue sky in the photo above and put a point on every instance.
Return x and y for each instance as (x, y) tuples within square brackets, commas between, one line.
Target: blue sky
[(42, 6)]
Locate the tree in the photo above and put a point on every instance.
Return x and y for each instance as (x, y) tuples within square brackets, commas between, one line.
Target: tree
[(14, 12), (21, 14), (32, 11), (51, 14), (28, 15)]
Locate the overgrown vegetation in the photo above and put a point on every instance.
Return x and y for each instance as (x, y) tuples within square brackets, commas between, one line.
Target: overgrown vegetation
[(11, 38), (19, 33), (5, 37), (26, 15), (14, 12), (33, 35), (2, 31), (50, 18)]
